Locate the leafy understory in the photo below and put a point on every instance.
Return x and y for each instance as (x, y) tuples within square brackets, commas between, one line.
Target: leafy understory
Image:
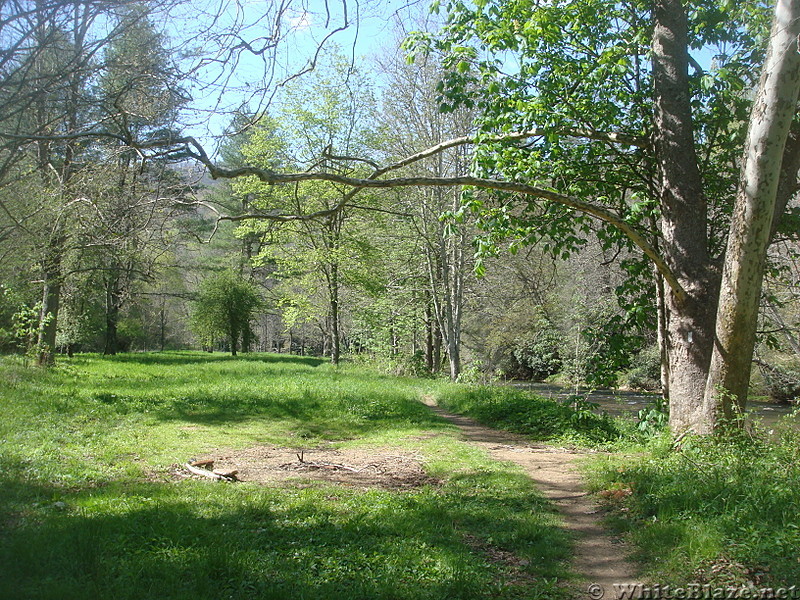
[(716, 511)]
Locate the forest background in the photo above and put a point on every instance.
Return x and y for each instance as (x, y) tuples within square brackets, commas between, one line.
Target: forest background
[(114, 238)]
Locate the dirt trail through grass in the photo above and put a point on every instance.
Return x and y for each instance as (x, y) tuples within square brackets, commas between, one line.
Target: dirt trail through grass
[(599, 558)]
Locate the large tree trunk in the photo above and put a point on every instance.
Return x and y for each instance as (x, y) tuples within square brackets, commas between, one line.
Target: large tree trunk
[(752, 222), (690, 317)]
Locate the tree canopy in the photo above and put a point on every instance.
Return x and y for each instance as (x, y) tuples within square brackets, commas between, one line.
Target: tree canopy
[(224, 308)]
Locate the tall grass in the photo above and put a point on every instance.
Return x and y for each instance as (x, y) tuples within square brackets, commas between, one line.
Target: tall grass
[(716, 510), (574, 421)]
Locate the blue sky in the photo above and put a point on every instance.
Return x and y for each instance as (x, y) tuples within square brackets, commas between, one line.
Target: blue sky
[(372, 26)]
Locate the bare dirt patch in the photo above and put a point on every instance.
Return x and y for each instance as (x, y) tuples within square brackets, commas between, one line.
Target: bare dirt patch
[(362, 467)]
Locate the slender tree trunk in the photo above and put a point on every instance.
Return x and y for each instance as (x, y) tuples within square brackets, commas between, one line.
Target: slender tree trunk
[(113, 304), (53, 276), (394, 340), (51, 300), (162, 330), (334, 308), (428, 334), (752, 222), (233, 333), (690, 319), (437, 348), (246, 339)]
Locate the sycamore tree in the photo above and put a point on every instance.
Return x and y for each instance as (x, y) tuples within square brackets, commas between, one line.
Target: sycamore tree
[(665, 173)]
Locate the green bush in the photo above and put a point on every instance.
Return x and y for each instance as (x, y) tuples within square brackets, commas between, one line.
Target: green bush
[(645, 371), (14, 313), (538, 356), (782, 383)]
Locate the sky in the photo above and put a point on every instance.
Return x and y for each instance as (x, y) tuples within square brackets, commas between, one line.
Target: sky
[(228, 81)]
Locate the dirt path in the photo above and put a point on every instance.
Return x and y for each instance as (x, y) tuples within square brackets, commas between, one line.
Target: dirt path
[(599, 558)]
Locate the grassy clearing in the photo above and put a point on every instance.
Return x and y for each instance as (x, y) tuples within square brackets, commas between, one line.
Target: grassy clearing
[(716, 511), (88, 510)]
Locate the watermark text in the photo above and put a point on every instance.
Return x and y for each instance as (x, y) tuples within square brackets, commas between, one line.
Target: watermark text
[(692, 591)]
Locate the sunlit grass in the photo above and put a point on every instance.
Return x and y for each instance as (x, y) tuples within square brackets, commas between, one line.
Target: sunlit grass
[(524, 412), (89, 509)]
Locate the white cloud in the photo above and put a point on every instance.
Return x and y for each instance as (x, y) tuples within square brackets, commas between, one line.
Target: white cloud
[(300, 21)]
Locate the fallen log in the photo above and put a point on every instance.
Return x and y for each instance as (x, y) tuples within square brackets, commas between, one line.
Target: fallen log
[(219, 474), (226, 473)]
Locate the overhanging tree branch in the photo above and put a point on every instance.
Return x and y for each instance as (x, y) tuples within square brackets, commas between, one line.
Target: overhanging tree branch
[(372, 181)]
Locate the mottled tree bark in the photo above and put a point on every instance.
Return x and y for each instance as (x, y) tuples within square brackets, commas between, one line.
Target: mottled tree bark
[(689, 318), (754, 212), (51, 300)]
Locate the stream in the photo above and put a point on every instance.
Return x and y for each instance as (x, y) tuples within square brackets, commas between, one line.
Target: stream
[(619, 403)]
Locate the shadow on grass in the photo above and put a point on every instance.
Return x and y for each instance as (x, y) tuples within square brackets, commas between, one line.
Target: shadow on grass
[(339, 416), (721, 510), (188, 358), (198, 540)]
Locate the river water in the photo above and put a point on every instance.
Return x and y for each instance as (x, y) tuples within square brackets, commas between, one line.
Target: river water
[(627, 404)]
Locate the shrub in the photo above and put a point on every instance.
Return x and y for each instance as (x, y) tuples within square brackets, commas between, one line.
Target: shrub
[(538, 355), (645, 371), (782, 383)]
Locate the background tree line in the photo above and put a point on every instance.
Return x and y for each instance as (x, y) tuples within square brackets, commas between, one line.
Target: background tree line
[(113, 239)]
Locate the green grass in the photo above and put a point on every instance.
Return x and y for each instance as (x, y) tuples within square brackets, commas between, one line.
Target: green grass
[(523, 412), (722, 511), (718, 511), (88, 510)]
